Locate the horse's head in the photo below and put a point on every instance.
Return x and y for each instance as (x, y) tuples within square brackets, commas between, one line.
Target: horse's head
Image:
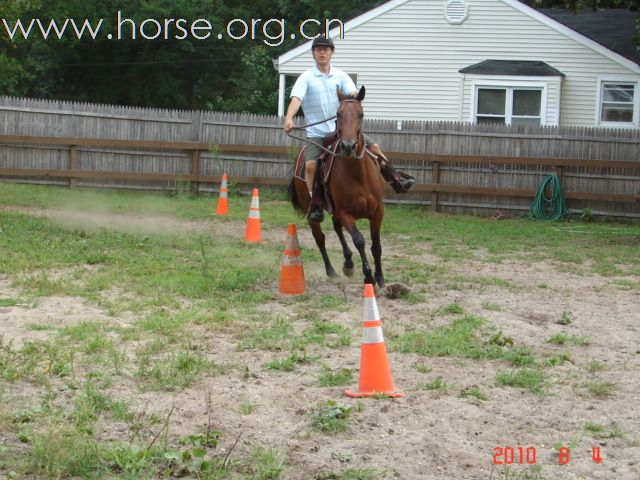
[(349, 122)]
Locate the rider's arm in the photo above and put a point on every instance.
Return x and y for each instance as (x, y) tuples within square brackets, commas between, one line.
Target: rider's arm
[(294, 106)]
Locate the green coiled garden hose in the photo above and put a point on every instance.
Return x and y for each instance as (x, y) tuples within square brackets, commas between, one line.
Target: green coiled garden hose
[(553, 208)]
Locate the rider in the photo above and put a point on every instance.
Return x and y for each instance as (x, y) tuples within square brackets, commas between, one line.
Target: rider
[(316, 91)]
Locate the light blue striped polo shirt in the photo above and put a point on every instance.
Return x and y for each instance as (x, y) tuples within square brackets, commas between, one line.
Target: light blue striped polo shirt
[(319, 98)]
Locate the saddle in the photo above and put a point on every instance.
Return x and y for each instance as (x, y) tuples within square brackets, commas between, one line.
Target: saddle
[(329, 142), (326, 160)]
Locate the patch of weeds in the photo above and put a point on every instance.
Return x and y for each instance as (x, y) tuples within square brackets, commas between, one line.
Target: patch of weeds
[(493, 307), (328, 378), (474, 392), (326, 334), (247, 407), (40, 327), (271, 337), (520, 357), (531, 379), (178, 370), (558, 359), (268, 464), (601, 390), (288, 364), (59, 451), (451, 309), (624, 284), (460, 338), (565, 319), (563, 339), (88, 405), (421, 367), (601, 432), (595, 366), (437, 384), (360, 474), (331, 417)]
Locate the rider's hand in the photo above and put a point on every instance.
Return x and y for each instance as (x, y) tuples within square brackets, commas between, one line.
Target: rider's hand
[(288, 125)]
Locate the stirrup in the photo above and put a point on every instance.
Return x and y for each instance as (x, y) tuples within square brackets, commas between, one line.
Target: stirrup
[(402, 183)]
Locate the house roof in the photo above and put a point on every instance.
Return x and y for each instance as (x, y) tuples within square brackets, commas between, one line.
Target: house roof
[(513, 67), (611, 28)]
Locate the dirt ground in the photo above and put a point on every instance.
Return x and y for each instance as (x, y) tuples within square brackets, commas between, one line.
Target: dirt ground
[(430, 434)]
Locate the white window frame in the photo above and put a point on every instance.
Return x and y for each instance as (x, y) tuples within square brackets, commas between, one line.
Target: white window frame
[(510, 84), (635, 122)]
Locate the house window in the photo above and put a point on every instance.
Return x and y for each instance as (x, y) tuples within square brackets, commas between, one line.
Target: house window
[(509, 105), (617, 101)]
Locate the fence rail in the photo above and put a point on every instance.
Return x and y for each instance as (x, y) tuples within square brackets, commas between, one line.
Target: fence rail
[(435, 187), (460, 168)]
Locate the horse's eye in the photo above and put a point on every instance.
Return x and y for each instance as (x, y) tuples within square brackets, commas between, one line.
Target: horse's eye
[(338, 114), (361, 115)]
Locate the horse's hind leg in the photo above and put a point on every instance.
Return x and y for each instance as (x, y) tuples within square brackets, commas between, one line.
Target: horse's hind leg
[(347, 267), (319, 237)]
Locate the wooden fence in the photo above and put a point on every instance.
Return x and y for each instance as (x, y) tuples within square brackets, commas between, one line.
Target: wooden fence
[(460, 168)]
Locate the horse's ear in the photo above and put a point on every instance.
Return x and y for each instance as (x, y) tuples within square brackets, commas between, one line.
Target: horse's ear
[(361, 93), (341, 96)]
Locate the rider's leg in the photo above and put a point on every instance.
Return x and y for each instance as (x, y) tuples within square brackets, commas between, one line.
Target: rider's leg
[(312, 175), (399, 181)]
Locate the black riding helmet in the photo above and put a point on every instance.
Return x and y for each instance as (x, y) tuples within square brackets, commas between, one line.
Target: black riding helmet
[(322, 41)]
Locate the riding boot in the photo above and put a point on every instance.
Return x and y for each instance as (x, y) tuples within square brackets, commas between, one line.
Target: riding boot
[(316, 214), (399, 181)]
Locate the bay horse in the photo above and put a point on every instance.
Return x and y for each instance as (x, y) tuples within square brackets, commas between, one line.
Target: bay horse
[(357, 189)]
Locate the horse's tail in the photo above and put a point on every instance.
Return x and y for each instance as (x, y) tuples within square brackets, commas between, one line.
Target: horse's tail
[(293, 197)]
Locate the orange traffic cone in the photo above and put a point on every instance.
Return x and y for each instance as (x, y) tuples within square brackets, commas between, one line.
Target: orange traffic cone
[(291, 271), (375, 374), (252, 233), (223, 200)]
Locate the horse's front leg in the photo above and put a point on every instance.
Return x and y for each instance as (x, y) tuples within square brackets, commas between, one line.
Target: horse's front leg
[(319, 237), (358, 242), (376, 248), (347, 267)]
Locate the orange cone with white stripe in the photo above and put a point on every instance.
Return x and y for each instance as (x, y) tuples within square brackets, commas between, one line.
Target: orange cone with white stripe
[(223, 200), (375, 374), (291, 271), (252, 233)]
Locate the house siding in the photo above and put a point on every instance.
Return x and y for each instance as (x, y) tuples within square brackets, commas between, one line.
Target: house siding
[(409, 59)]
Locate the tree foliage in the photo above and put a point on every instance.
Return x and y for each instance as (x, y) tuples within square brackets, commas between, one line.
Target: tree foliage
[(226, 74)]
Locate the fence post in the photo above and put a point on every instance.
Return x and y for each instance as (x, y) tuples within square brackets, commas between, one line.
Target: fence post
[(559, 172), (195, 170), (435, 179), (72, 164)]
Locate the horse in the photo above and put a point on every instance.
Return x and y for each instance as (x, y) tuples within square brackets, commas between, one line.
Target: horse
[(357, 188)]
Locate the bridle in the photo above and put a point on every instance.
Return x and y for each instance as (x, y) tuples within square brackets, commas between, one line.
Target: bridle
[(359, 133), (322, 147)]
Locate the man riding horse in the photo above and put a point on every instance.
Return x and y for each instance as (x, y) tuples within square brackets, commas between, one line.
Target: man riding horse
[(316, 91)]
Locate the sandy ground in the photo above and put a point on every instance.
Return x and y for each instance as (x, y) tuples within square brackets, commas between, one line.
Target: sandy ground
[(430, 434)]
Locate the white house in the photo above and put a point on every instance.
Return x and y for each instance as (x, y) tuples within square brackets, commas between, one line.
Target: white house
[(487, 61)]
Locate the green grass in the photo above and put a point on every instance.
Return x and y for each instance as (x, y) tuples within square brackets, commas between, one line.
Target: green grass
[(331, 417), (527, 378), (329, 378), (181, 285), (462, 337), (474, 392)]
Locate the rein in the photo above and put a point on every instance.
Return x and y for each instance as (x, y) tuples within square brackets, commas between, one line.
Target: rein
[(322, 147), (306, 140)]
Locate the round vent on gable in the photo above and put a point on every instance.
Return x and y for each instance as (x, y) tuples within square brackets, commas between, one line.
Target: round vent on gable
[(456, 11)]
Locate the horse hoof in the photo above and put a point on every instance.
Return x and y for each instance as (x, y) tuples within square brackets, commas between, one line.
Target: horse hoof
[(347, 271), (332, 274)]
